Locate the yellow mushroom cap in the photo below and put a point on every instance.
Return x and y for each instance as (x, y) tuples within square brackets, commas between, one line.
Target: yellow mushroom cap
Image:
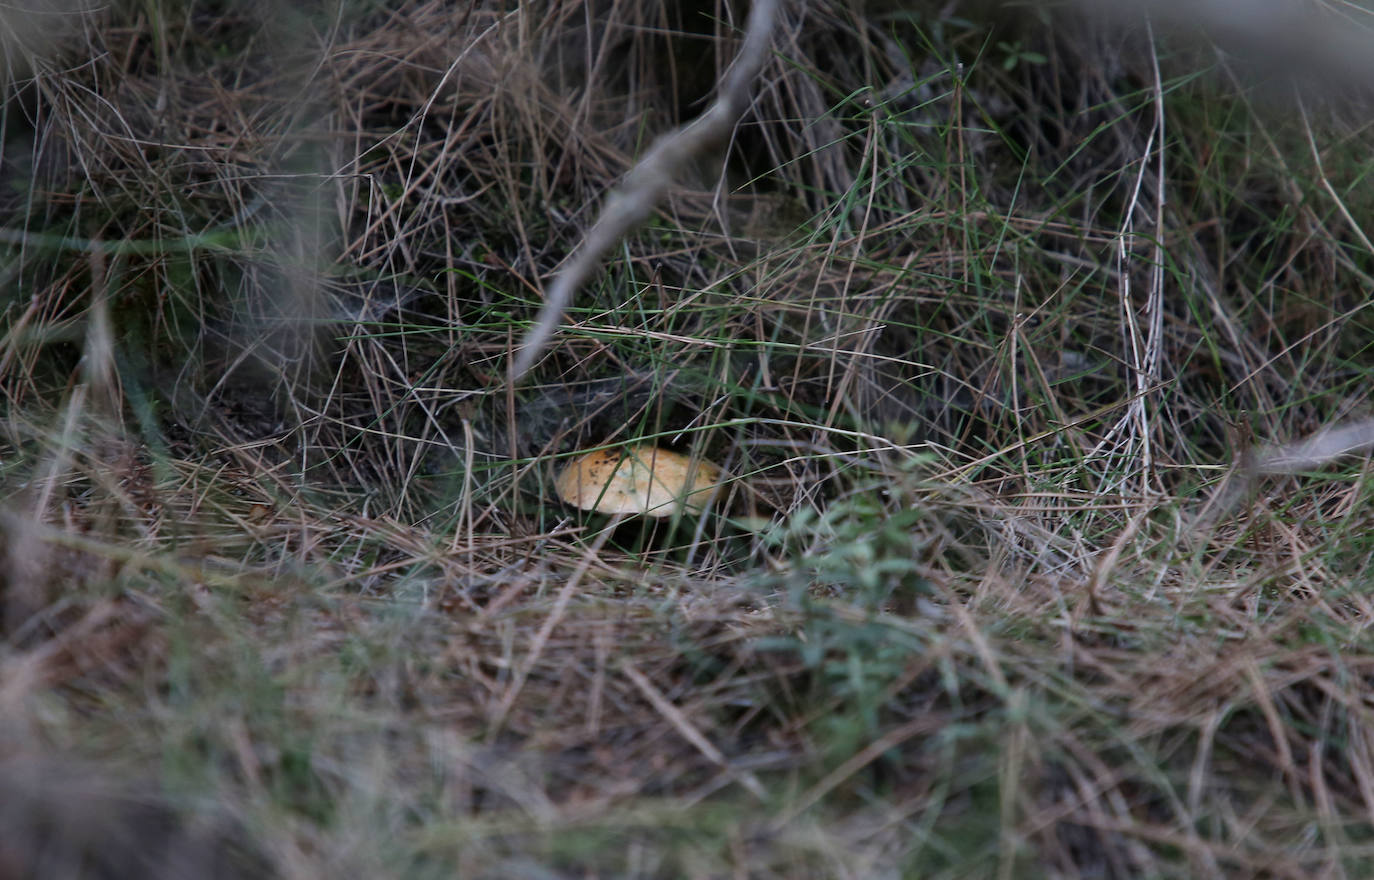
[(638, 479)]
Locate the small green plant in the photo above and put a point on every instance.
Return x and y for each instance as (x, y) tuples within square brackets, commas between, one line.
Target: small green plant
[(860, 549), (1013, 54), (855, 562)]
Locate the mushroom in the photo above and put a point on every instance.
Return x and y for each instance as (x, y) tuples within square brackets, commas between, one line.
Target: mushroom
[(640, 478)]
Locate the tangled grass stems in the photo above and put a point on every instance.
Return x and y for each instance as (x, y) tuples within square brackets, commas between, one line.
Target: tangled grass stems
[(1035, 348)]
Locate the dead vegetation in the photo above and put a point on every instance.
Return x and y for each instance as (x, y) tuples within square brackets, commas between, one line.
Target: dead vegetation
[(1008, 328)]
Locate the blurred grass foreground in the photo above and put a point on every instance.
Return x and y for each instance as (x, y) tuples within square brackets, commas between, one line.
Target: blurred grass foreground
[(1037, 348)]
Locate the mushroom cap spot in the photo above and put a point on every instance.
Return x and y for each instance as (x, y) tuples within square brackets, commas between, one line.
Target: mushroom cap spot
[(639, 478)]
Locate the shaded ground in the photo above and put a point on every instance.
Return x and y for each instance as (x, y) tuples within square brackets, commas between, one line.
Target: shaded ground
[(989, 321)]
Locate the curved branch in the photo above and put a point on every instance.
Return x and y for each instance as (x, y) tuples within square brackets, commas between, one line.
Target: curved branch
[(649, 180)]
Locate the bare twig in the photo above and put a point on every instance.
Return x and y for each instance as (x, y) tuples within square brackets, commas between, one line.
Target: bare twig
[(1282, 459), (1317, 450), (646, 184)]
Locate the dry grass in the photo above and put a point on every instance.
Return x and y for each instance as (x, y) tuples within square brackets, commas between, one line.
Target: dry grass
[(1009, 327)]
